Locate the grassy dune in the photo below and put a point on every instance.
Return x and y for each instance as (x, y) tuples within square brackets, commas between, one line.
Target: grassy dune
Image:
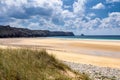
[(26, 64)]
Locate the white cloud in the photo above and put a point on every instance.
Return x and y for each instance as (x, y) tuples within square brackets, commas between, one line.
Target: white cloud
[(98, 6), (79, 6), (108, 25), (67, 15), (91, 14), (112, 1), (13, 2), (112, 21)]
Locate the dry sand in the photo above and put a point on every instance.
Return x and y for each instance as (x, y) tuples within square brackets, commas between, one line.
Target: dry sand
[(99, 53)]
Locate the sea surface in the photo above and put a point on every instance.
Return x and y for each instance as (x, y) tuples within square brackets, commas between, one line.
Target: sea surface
[(91, 37)]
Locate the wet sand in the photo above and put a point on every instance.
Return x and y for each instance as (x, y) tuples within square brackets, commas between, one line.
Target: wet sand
[(99, 53)]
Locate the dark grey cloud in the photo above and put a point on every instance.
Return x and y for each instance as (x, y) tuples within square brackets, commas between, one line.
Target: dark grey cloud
[(23, 11), (58, 21), (19, 15), (5, 19), (39, 11), (32, 11)]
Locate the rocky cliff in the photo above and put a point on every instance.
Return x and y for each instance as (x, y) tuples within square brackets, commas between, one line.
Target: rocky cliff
[(7, 31)]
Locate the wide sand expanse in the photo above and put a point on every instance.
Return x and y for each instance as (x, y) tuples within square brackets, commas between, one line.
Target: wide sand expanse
[(99, 53)]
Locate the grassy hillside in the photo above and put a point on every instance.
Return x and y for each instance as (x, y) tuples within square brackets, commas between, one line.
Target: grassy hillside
[(26, 64)]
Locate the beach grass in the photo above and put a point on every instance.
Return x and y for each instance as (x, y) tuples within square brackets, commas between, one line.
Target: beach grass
[(27, 64)]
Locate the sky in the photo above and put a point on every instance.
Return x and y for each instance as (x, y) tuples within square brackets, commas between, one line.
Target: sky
[(90, 17)]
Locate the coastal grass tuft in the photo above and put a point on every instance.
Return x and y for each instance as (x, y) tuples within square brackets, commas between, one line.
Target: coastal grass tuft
[(27, 64)]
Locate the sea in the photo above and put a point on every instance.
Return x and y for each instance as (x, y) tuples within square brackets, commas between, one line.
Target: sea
[(91, 37)]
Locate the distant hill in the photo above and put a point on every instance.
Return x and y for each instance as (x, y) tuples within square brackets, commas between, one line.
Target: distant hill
[(7, 31)]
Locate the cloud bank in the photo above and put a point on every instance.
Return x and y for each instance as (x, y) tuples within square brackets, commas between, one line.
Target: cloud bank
[(56, 15)]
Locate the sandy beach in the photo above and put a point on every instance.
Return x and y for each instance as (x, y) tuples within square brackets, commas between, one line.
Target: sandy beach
[(98, 53)]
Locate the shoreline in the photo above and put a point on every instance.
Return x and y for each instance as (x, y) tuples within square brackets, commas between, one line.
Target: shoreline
[(85, 39), (99, 53), (60, 38)]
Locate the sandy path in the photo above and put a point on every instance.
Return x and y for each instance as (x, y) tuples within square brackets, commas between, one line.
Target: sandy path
[(100, 53)]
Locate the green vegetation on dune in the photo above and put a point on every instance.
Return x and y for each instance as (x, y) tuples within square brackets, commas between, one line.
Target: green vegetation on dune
[(26, 64)]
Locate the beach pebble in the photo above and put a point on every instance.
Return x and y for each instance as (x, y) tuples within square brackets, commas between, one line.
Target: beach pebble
[(95, 72)]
